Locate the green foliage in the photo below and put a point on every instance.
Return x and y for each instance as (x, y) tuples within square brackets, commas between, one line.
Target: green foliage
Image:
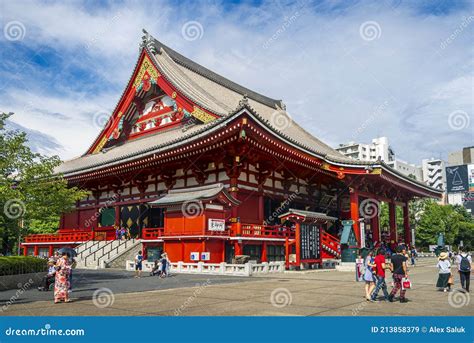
[(13, 265), (453, 221), (431, 219), (31, 194)]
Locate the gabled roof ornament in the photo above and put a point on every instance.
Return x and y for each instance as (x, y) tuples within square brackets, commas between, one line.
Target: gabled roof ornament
[(244, 101), (148, 42), (281, 105)]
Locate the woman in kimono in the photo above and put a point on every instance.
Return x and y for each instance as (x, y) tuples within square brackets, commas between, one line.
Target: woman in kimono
[(62, 282)]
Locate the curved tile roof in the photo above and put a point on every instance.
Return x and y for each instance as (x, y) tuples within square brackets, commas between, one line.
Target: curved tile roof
[(220, 96)]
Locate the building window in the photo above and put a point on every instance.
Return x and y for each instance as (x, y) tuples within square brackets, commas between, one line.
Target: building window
[(275, 253)]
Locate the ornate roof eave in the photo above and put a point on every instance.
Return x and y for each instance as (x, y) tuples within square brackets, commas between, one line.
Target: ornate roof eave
[(129, 83), (182, 91), (365, 166), (245, 108)]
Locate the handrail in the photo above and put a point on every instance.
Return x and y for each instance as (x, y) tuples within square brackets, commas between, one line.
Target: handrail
[(59, 237), (271, 231)]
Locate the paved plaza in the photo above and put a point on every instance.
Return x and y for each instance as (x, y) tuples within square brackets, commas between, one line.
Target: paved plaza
[(311, 293)]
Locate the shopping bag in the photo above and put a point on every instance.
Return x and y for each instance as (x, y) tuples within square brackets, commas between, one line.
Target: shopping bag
[(406, 283)]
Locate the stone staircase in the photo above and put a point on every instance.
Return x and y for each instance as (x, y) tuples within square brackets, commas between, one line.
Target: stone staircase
[(101, 254)]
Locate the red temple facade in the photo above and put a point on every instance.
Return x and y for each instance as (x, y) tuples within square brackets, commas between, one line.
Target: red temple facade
[(191, 162)]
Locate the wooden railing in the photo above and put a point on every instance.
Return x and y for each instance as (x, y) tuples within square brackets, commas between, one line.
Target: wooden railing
[(331, 243), (152, 233), (78, 236), (266, 231)]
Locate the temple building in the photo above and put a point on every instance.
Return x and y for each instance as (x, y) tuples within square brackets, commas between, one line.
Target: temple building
[(205, 169)]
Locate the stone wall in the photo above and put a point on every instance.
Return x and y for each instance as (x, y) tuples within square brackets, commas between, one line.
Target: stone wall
[(21, 281)]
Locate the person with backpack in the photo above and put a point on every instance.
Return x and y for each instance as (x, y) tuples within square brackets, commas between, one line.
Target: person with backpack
[(464, 262)]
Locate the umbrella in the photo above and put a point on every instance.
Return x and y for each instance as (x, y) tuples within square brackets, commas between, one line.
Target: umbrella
[(70, 251)]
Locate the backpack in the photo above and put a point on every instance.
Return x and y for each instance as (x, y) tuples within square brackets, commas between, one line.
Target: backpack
[(464, 266)]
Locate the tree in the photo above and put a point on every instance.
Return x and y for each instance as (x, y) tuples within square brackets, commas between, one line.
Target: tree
[(32, 196)]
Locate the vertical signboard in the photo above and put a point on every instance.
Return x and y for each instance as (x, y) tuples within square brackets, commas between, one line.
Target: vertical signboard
[(457, 179), (309, 242), (470, 177)]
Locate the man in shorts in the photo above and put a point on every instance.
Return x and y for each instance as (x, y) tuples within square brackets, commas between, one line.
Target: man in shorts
[(138, 264)]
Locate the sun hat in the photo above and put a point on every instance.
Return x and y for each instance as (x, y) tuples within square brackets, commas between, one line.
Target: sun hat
[(443, 255)]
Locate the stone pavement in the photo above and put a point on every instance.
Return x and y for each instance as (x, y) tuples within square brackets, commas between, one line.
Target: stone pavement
[(312, 293)]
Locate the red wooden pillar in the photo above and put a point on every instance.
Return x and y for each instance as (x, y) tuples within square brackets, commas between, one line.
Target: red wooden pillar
[(35, 250), (298, 244), (50, 252), (264, 252), (117, 216), (354, 198), (392, 214), (237, 248), (287, 253), (406, 223), (25, 250), (223, 251), (260, 208), (376, 228)]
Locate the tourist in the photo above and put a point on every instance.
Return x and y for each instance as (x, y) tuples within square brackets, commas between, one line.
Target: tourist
[(164, 265), (61, 285), (380, 267), (464, 262), (413, 255), (138, 264), (48, 279), (444, 270), (369, 275), (117, 233), (399, 272)]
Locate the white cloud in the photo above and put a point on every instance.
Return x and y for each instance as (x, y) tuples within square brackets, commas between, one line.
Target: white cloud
[(332, 80)]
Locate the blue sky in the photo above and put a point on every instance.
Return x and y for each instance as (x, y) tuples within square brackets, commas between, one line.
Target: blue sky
[(347, 70)]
